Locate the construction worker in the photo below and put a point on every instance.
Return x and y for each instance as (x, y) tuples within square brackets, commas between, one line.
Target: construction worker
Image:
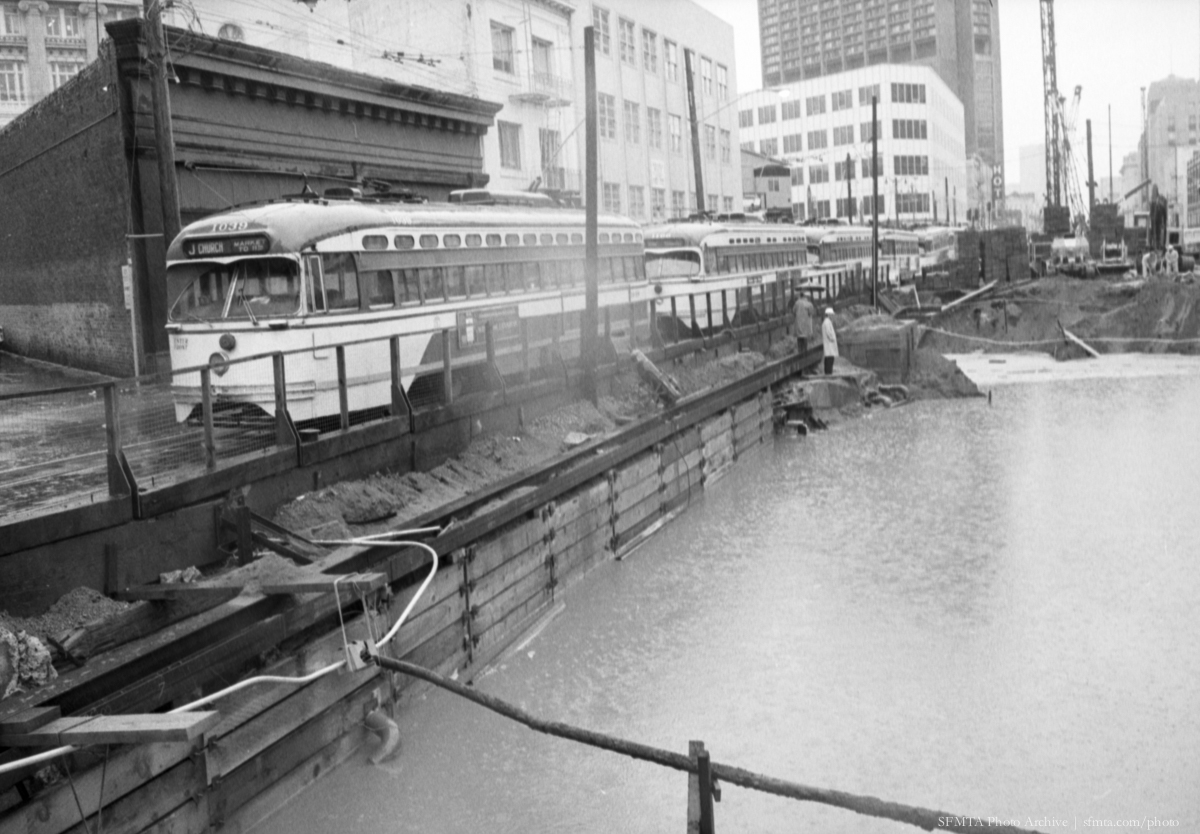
[(829, 340), (1172, 261)]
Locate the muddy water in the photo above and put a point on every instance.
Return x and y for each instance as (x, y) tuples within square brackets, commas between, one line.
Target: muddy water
[(990, 610)]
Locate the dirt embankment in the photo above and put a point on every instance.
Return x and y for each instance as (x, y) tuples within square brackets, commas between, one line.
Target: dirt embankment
[(1114, 316)]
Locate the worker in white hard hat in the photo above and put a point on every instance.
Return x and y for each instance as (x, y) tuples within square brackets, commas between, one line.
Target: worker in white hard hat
[(829, 340)]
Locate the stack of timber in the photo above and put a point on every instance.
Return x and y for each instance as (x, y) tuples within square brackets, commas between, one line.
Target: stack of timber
[(501, 567), (1004, 253)]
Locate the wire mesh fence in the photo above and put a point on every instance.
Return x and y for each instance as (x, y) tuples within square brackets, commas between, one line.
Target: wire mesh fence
[(53, 451)]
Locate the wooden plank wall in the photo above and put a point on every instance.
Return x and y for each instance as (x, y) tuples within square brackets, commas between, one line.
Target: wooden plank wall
[(273, 741)]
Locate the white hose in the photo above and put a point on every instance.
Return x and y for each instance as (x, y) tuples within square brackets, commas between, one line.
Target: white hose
[(47, 755)]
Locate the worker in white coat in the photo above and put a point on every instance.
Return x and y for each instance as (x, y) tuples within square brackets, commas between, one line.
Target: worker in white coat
[(829, 340)]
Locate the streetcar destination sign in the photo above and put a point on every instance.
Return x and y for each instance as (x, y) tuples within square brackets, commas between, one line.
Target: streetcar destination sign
[(218, 247)]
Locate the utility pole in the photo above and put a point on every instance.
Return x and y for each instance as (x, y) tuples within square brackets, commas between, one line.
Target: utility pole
[(849, 190), (1110, 174), (874, 204), (591, 317), (688, 61), (164, 140), (947, 199), (1091, 176)]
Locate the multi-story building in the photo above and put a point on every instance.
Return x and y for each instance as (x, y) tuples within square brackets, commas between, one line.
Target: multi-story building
[(1171, 132), (646, 142), (822, 128), (528, 56), (1193, 190), (1032, 174), (960, 39), (44, 44)]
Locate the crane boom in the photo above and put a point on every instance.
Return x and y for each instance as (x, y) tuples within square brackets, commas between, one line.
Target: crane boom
[(1050, 104)]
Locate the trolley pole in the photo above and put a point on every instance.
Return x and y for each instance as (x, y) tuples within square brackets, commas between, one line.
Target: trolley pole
[(590, 318), (874, 204), (164, 140)]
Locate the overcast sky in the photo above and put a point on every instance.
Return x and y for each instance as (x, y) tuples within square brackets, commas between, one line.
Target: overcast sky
[(1110, 47)]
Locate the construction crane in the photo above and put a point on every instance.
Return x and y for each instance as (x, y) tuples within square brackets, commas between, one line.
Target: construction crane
[(1063, 196), (1070, 173)]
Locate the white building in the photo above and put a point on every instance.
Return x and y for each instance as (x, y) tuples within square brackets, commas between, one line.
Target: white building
[(817, 124), (646, 155), (528, 56)]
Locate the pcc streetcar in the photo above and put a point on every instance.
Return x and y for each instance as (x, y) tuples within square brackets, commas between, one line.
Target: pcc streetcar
[(310, 274), (708, 275), (939, 246)]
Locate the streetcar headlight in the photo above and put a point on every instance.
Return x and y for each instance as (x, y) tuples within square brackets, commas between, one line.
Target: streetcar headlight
[(227, 342), (218, 363)]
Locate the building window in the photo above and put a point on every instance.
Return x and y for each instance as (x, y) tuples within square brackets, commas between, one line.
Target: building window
[(867, 208), (798, 212), (710, 142), (797, 176), (791, 110), (543, 61), (909, 129), (677, 208), (628, 51), (502, 48), (670, 60), (912, 203), (676, 133), (843, 135), (748, 146), (510, 144), (842, 100), (843, 170), (649, 51), (820, 209), (792, 143), (745, 118), (606, 115), (11, 21), (766, 114), (814, 105), (63, 23), (727, 204), (726, 146), (637, 201), (549, 147), (866, 168), (12, 82), (908, 93), (63, 71), (910, 166), (633, 122), (706, 79), (600, 24), (817, 139), (231, 32), (654, 127), (768, 147), (722, 82), (712, 203), (818, 174), (865, 94), (658, 204), (867, 134), (611, 197)]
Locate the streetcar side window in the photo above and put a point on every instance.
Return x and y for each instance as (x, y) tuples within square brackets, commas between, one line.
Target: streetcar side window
[(477, 284), (381, 290), (433, 284), (410, 286), (316, 292), (455, 283), (340, 278), (635, 268)]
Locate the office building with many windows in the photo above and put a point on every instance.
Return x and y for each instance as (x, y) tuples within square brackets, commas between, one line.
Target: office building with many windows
[(646, 144), (822, 129), (43, 45), (959, 39)]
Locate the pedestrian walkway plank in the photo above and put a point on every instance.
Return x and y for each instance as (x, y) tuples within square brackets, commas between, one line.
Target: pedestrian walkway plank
[(115, 729)]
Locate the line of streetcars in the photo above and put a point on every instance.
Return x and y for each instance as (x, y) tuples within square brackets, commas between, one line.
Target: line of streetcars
[(303, 275)]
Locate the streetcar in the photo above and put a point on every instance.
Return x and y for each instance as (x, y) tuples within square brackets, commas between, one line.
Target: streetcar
[(939, 246), (304, 275), (900, 252), (711, 275)]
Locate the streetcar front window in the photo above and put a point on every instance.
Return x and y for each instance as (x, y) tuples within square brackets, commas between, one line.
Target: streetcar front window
[(265, 287), (672, 263), (200, 290)]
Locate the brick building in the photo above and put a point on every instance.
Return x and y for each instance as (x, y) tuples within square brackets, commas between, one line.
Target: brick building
[(81, 252)]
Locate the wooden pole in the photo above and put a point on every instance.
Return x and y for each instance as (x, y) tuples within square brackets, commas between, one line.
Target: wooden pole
[(160, 102), (689, 62), (112, 436), (343, 392), (525, 351), (588, 322), (870, 806), (283, 427), (874, 205), (447, 373), (206, 411)]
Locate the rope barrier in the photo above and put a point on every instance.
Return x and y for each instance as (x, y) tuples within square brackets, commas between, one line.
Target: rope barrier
[(1105, 339), (866, 805)]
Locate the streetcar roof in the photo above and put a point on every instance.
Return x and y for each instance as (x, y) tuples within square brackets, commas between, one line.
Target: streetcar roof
[(698, 234), (294, 225)]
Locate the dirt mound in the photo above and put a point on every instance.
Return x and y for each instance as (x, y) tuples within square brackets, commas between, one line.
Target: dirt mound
[(933, 376), (697, 376), (73, 609)]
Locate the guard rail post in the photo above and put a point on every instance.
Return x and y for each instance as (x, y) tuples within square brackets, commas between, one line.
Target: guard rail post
[(343, 392), (284, 435), (525, 351), (447, 373), (206, 411), (724, 310), (692, 309), (400, 402), (112, 434), (674, 321), (489, 339)]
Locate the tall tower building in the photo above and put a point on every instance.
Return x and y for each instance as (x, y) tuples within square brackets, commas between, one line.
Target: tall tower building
[(959, 39)]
